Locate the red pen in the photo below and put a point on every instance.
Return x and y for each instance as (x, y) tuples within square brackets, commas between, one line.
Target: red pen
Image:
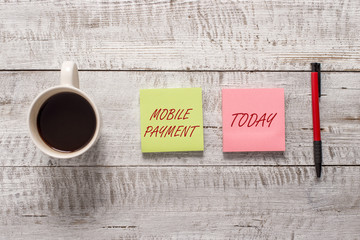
[(315, 95)]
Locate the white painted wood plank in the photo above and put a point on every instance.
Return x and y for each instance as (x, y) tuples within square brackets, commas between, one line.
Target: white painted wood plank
[(191, 202), (181, 35), (117, 96)]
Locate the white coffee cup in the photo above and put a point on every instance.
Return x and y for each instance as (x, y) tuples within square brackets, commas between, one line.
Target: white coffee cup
[(69, 82)]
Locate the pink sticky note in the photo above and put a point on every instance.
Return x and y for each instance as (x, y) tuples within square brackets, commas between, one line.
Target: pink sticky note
[(253, 120)]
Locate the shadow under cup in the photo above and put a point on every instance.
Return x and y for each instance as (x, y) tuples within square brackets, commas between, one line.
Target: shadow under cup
[(52, 123)]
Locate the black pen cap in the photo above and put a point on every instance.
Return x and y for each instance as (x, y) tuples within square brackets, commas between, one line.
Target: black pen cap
[(315, 67)]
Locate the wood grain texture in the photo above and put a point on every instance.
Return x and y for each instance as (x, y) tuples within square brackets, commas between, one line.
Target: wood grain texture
[(181, 35), (180, 202), (117, 96), (115, 192)]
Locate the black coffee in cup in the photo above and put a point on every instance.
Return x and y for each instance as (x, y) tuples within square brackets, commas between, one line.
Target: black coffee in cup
[(66, 122)]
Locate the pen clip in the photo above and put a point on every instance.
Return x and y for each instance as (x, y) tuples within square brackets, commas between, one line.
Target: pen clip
[(319, 78)]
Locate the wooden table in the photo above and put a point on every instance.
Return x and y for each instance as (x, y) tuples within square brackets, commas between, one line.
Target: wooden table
[(116, 192)]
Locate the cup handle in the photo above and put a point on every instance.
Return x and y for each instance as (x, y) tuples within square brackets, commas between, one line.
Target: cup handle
[(69, 74)]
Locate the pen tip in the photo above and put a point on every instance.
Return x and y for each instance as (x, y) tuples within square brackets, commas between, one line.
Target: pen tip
[(318, 170)]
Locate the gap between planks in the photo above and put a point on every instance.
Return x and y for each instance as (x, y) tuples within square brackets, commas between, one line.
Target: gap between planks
[(170, 70), (177, 166)]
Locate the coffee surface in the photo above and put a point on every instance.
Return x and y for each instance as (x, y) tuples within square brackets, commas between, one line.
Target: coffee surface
[(66, 122)]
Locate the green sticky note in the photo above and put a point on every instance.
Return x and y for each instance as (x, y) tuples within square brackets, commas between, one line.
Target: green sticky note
[(171, 120)]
